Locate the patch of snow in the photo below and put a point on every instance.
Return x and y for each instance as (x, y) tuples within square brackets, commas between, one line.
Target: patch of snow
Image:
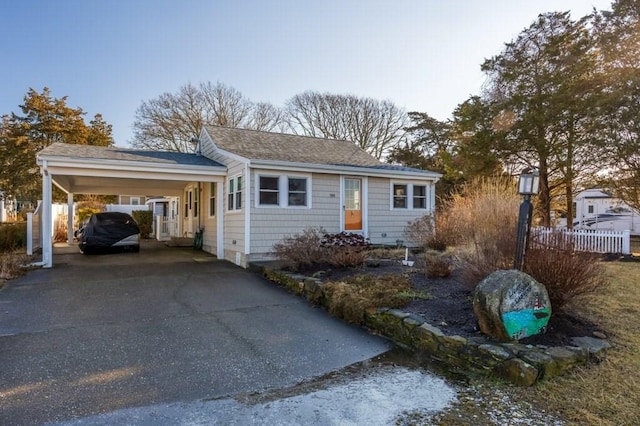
[(379, 396)]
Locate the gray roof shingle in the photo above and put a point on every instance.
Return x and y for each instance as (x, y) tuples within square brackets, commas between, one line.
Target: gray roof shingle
[(258, 145), (125, 154)]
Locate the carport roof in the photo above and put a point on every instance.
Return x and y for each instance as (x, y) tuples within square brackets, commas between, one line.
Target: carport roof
[(93, 152), (87, 169)]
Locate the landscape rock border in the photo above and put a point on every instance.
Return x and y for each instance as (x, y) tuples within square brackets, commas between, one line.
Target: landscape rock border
[(520, 364)]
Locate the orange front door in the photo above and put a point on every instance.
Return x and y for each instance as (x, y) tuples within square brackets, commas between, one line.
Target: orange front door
[(352, 204)]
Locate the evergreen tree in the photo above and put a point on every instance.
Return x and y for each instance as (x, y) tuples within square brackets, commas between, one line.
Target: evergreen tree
[(44, 120)]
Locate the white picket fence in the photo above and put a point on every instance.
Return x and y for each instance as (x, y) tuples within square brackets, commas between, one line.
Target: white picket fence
[(594, 241)]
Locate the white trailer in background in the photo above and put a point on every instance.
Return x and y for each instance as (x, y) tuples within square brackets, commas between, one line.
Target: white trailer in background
[(598, 210)]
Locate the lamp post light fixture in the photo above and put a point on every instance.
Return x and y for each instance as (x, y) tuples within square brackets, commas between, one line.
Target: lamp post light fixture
[(528, 184)]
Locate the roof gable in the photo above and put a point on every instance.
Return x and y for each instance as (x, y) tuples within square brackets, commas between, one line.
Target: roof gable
[(258, 145)]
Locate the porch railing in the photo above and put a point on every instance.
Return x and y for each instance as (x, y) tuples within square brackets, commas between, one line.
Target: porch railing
[(34, 230)]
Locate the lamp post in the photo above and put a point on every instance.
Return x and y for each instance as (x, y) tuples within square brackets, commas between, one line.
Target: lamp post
[(528, 184)]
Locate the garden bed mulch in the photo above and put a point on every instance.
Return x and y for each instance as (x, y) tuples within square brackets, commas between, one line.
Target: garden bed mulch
[(451, 306)]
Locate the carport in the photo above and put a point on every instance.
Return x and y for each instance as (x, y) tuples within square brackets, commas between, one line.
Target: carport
[(85, 169)]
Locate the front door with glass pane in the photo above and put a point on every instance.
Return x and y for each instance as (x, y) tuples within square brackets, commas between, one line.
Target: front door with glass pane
[(352, 208)]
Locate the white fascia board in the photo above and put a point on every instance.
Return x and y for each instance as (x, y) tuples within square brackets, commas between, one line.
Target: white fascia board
[(351, 170), (138, 174)]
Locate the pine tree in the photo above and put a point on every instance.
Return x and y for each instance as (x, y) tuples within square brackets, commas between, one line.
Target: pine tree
[(44, 120)]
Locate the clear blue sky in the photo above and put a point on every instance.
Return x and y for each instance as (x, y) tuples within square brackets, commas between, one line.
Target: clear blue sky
[(108, 56)]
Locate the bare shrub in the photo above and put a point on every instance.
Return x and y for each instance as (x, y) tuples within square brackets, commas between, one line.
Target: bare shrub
[(301, 252), (436, 266), (347, 256), (350, 299), (420, 231), (567, 275), (482, 216)]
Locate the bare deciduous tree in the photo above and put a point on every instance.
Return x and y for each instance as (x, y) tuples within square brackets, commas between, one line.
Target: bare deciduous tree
[(376, 126), (171, 121), (266, 117)]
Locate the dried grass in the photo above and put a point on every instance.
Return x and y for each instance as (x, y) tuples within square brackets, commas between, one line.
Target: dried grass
[(11, 265), (351, 298), (436, 266), (482, 217), (396, 253), (60, 231), (607, 393)]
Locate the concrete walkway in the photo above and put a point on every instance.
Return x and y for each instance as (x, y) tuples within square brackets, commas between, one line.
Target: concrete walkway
[(102, 333)]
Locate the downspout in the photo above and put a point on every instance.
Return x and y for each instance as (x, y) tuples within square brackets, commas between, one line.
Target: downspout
[(247, 215)]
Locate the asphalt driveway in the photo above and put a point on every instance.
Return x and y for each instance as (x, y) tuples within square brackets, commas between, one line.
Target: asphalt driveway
[(100, 333)]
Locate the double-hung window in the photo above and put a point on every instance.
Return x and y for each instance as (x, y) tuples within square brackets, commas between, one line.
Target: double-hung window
[(269, 190), (297, 191), (283, 191), (419, 197), (234, 200), (408, 196), (400, 196)]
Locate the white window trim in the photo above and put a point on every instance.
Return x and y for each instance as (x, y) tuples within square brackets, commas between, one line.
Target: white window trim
[(235, 186), (410, 185), (268, 175), (426, 197), (283, 190), (213, 186)]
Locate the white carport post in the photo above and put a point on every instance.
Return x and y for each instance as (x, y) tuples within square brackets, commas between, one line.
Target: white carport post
[(70, 215), (220, 219), (47, 226)]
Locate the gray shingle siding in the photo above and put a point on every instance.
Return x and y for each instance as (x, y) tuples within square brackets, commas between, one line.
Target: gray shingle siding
[(271, 224)]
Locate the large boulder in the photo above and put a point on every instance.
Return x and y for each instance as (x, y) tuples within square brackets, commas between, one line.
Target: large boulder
[(511, 305)]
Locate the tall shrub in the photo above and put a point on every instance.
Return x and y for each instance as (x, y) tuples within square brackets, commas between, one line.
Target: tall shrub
[(144, 219), (13, 236), (481, 218), (568, 275)]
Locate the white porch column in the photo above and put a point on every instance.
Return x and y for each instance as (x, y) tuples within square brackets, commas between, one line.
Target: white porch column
[(220, 219), (70, 215), (47, 226)]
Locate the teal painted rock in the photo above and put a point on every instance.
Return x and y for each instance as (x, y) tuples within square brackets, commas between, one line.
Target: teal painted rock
[(511, 305), (525, 323)]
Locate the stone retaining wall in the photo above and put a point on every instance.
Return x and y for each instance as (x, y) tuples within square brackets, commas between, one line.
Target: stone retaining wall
[(515, 362)]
